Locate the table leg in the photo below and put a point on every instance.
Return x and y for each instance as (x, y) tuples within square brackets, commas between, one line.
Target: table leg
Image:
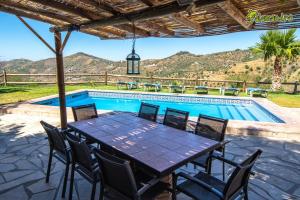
[(165, 195)]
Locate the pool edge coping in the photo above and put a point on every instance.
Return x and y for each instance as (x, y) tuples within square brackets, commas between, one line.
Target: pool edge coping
[(291, 125)]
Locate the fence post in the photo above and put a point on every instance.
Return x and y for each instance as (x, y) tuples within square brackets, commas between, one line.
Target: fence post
[(151, 78), (4, 77), (296, 87), (197, 81), (105, 77), (244, 86)]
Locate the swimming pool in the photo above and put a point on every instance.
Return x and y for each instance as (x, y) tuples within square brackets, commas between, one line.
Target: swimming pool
[(226, 108)]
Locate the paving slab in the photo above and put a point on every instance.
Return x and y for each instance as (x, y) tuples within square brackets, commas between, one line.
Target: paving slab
[(24, 158)]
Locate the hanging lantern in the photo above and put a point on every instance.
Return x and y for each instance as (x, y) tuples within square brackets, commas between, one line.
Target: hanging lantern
[(133, 59)]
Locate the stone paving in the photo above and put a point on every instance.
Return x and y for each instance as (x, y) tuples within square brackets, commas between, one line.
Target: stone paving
[(24, 156)]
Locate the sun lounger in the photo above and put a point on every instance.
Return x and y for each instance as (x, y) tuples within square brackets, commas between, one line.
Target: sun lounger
[(201, 89), (258, 91), (128, 85), (177, 88), (233, 91), (132, 85), (149, 86), (121, 83)]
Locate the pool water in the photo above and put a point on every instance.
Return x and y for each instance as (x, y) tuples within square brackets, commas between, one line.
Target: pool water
[(226, 110)]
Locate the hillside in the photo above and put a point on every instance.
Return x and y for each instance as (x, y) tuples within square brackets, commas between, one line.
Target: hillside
[(238, 64)]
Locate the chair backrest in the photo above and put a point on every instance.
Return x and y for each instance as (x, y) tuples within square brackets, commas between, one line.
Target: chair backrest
[(81, 153), (148, 111), (240, 176), (211, 127), (55, 138), (116, 174), (176, 118), (84, 112)]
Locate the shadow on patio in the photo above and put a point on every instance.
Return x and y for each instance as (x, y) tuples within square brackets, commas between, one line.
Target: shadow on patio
[(24, 157)]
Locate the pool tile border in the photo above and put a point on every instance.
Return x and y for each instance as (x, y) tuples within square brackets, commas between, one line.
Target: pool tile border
[(290, 129)]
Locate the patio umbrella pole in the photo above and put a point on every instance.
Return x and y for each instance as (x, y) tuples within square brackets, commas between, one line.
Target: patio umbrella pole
[(60, 79)]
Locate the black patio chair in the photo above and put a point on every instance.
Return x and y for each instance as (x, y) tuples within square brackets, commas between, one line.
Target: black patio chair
[(118, 180), (204, 186), (212, 128), (84, 112), (83, 163), (176, 118), (148, 111), (59, 150)]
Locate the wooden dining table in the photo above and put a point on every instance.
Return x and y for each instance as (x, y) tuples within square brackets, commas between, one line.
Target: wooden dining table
[(155, 147)]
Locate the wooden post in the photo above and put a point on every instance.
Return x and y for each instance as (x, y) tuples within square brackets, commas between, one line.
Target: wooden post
[(197, 80), (60, 79), (105, 78), (244, 86), (4, 78), (296, 87)]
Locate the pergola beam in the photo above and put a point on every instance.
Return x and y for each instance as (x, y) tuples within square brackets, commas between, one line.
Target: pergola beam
[(57, 17), (49, 20), (159, 28), (148, 2), (188, 22), (29, 15), (65, 42), (148, 13), (235, 13), (101, 5), (35, 33), (65, 8), (38, 11), (138, 31)]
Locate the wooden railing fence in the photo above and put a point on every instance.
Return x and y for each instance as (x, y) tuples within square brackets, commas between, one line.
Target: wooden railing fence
[(109, 79)]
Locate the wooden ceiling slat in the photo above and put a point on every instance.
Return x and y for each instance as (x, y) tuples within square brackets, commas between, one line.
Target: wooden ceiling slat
[(39, 11), (145, 14), (31, 16), (59, 17), (235, 13), (138, 31), (48, 20), (159, 28), (187, 22), (101, 5), (64, 7), (112, 19), (147, 2)]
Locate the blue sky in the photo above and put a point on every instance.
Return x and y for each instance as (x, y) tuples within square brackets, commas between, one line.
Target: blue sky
[(16, 41)]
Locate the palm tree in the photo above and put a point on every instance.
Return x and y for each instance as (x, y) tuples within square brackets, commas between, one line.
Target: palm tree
[(282, 45)]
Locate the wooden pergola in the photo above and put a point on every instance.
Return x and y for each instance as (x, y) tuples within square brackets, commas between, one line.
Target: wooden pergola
[(114, 19)]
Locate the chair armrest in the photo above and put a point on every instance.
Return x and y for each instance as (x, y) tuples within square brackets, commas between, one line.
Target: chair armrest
[(201, 183), (68, 130), (223, 143), (148, 185), (230, 162)]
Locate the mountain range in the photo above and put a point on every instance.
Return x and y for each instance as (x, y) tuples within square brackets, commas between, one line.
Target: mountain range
[(234, 65)]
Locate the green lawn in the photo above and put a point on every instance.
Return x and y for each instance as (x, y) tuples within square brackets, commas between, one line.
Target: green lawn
[(12, 94)]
